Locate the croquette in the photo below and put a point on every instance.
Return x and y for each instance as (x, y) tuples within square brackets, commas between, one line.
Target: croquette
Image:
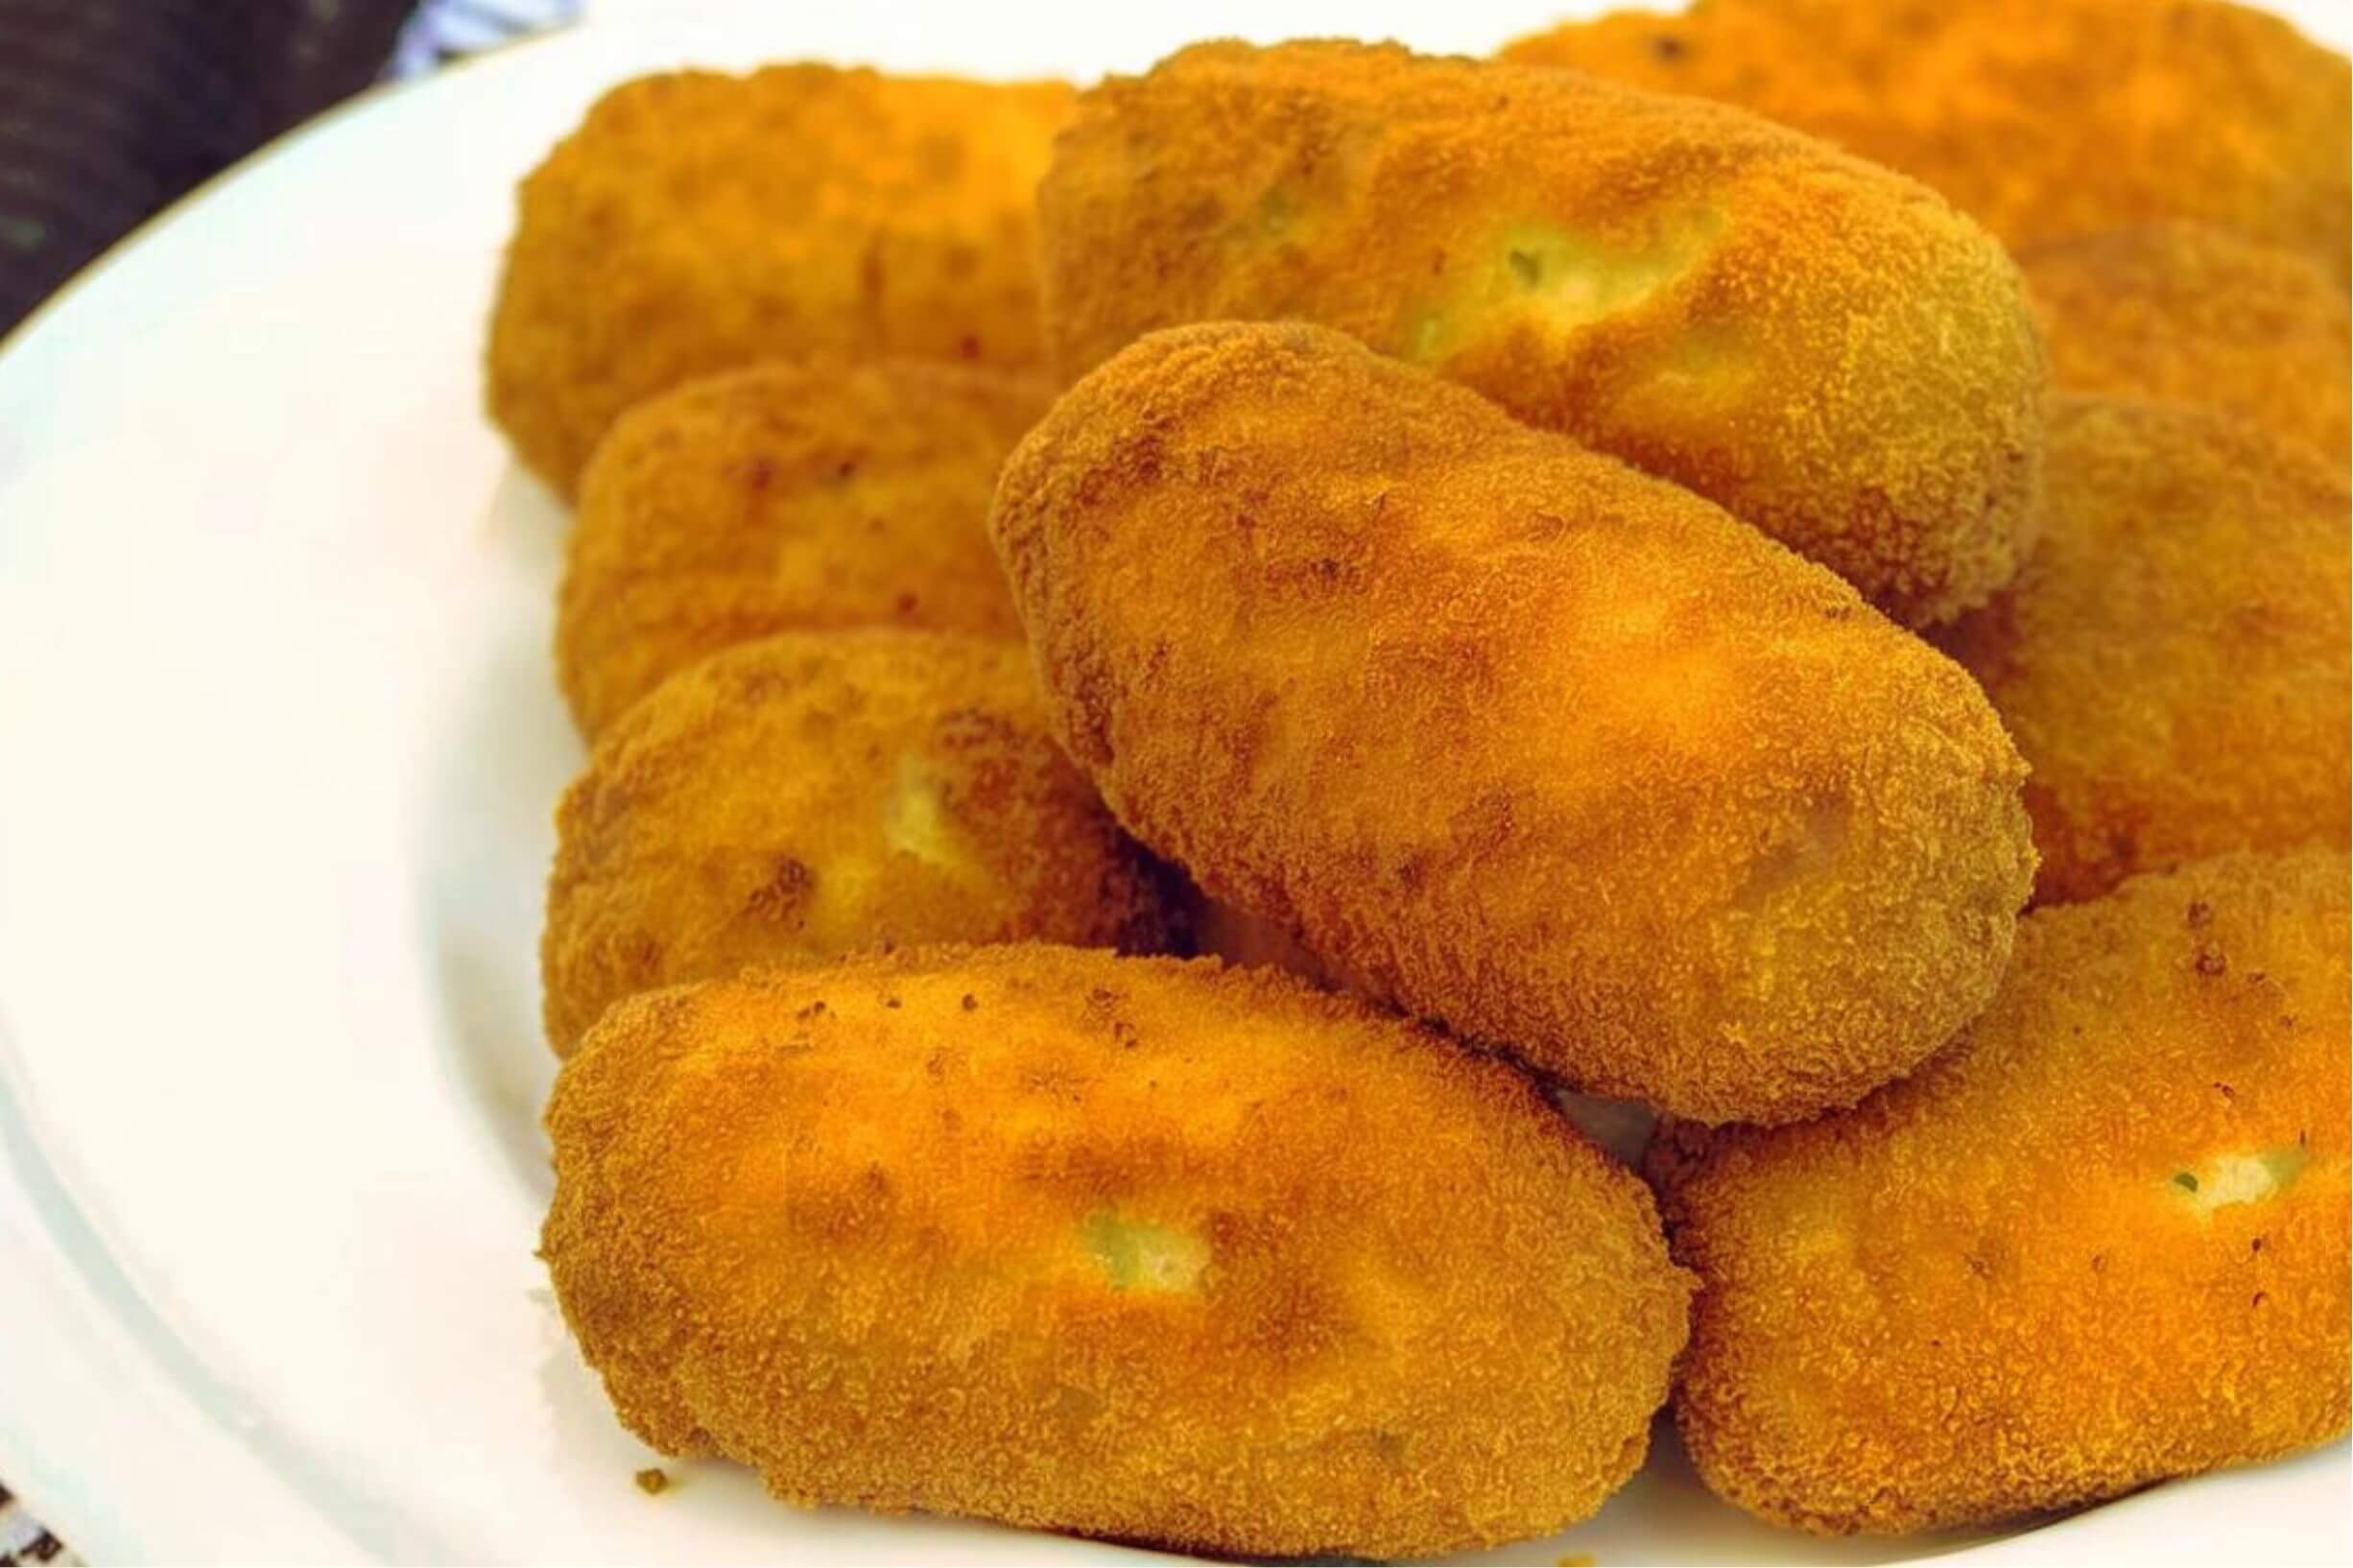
[(1529, 741), (799, 496), (2100, 1244), (2193, 313), (697, 222), (2172, 662), (814, 794), (2045, 119), (1156, 1250), (1825, 349)]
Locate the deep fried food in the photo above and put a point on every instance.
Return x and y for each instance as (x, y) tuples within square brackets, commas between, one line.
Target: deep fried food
[(2100, 1244), (1828, 351), (1532, 742), (1132, 1247), (785, 497), (2173, 660), (817, 793), (697, 222), (2191, 312), (2046, 119)]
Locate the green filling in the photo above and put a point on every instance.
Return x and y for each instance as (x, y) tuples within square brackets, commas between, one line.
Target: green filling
[(2241, 1177), (916, 819), (1137, 1256), (1556, 277)]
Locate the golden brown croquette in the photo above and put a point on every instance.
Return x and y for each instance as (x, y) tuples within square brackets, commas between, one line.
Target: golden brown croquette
[(2100, 1244), (2192, 313), (1825, 349), (2173, 662), (801, 496), (698, 221), (2044, 119), (822, 792), (1131, 1248), (1523, 740)]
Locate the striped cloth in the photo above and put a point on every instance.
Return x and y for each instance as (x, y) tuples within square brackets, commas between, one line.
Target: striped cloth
[(22, 1539), (111, 109)]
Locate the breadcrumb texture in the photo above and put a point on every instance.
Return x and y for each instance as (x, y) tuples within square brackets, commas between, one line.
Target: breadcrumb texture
[(2100, 1244), (697, 222), (2194, 313), (801, 496), (2046, 119), (2172, 662), (1511, 733), (1825, 349), (1129, 1247), (815, 794)]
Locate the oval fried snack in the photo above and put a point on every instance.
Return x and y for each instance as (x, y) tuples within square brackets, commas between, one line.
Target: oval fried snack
[(1130, 1247), (2172, 662), (1529, 741), (698, 221), (1828, 350), (2045, 119), (2100, 1244), (803, 496), (817, 794), (2191, 312)]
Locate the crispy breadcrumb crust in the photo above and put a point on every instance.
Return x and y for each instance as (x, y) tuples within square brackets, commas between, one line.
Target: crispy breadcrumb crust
[(697, 222), (2193, 313), (815, 794), (2046, 119), (1525, 740), (2172, 662), (1828, 350), (803, 496), (1131, 1248), (2040, 1272)]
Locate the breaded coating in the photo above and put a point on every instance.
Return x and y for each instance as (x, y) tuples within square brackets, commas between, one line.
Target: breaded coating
[(1520, 738), (1131, 1248), (801, 496), (2100, 1244), (2191, 312), (698, 221), (2044, 119), (1826, 350), (815, 794), (2172, 662)]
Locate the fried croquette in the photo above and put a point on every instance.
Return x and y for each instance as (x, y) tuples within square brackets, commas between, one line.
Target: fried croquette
[(1526, 739), (785, 497), (1828, 350), (2194, 313), (2044, 119), (698, 221), (2172, 662), (820, 792), (1131, 1248), (2100, 1244)]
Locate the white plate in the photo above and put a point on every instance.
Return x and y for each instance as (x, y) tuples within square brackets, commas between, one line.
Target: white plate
[(278, 750)]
